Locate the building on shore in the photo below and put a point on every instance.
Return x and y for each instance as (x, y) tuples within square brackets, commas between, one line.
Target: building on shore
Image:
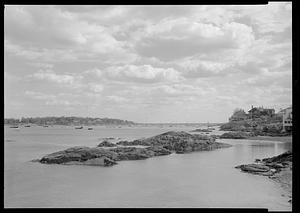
[(287, 118)]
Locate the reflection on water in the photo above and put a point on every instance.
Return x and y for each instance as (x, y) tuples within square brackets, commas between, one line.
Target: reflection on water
[(199, 179)]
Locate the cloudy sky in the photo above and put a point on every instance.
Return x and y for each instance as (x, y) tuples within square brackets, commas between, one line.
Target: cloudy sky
[(146, 63)]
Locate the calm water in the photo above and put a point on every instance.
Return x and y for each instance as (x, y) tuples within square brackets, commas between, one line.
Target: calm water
[(200, 179)]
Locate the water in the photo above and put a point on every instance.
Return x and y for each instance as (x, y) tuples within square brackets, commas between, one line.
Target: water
[(199, 179)]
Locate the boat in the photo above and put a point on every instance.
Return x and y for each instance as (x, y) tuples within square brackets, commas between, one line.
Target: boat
[(27, 126), (81, 127), (90, 128), (14, 127)]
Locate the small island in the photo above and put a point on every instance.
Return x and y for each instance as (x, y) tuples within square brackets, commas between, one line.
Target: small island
[(107, 154)]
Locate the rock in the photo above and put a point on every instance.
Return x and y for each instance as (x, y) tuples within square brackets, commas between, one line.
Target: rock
[(283, 158), (201, 130), (181, 142), (132, 153), (254, 168), (106, 144), (77, 154), (163, 144), (158, 151), (102, 161), (235, 135), (275, 165), (269, 166)]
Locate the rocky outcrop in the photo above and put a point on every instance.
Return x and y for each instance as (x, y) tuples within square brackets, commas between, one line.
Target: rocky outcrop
[(180, 142), (163, 144), (106, 144), (269, 166), (237, 135), (201, 130), (79, 154), (257, 169)]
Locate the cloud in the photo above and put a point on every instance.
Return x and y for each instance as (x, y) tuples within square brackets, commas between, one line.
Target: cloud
[(116, 99), (178, 38), (41, 65), (52, 76), (143, 74), (39, 95), (97, 88), (52, 34)]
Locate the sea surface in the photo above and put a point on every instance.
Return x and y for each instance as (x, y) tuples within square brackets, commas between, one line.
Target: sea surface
[(199, 179)]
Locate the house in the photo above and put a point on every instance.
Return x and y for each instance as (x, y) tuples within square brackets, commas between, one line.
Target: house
[(286, 118)]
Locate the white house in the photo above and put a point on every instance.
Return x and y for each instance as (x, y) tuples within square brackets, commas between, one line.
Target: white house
[(286, 118)]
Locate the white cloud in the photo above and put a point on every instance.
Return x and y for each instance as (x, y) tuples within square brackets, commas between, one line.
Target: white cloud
[(178, 38), (52, 76), (96, 88), (143, 73)]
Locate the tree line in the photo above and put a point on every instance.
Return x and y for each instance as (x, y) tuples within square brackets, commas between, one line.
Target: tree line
[(67, 121)]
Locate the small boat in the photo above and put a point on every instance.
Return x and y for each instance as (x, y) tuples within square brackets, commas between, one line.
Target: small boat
[(27, 126), (90, 128), (81, 127), (14, 127)]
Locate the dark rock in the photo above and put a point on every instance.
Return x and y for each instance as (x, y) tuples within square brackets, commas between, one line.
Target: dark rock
[(236, 135), (269, 166), (158, 151), (77, 154), (106, 144), (254, 168), (101, 161), (163, 144), (132, 153), (283, 158)]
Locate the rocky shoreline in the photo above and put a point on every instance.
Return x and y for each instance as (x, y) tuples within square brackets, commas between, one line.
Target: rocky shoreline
[(277, 168), (107, 154)]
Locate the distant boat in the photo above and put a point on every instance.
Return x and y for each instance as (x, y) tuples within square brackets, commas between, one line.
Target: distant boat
[(90, 128), (14, 127), (27, 126), (81, 127)]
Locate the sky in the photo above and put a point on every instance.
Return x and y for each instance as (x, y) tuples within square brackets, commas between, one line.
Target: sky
[(146, 63)]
